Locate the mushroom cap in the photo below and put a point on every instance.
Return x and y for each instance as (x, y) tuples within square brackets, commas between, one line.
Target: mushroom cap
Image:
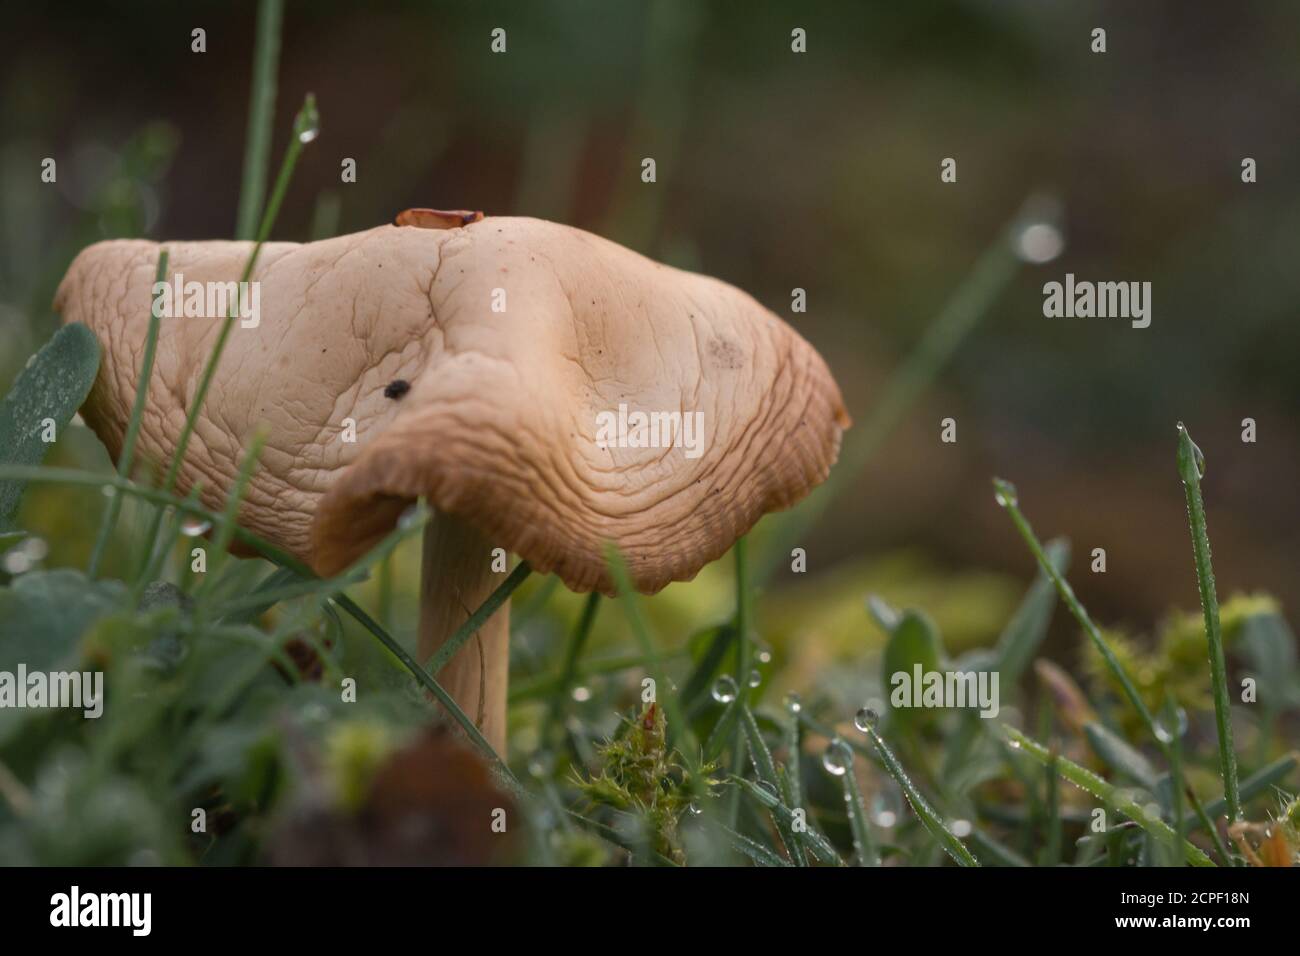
[(511, 344)]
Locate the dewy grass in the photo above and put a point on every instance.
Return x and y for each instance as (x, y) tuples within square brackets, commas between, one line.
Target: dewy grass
[(1191, 468), (127, 456), (1006, 496), (1110, 795), (921, 807)]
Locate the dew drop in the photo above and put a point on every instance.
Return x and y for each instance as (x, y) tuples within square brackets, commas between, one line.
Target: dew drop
[(1039, 242), (724, 689), (581, 694), (1015, 745), (1004, 493), (694, 808), (960, 828), (192, 527), (17, 562), (865, 719), (755, 678), (837, 758), (792, 703), (1170, 727)]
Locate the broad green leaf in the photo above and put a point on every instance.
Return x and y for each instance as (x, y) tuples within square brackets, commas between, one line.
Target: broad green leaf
[(43, 617), (913, 642), (52, 387)]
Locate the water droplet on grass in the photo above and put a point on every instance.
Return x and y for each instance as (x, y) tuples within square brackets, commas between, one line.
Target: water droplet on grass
[(755, 678), (724, 689), (192, 527), (1039, 242), (792, 703), (1004, 493), (865, 719), (838, 758)]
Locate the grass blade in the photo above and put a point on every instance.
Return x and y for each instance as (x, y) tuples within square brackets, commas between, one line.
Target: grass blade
[(1007, 498), (1191, 465), (765, 767), (480, 617), (577, 641), (1110, 795), (924, 812), (127, 456), (261, 114)]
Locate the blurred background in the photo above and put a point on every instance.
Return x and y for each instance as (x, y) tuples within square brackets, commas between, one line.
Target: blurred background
[(778, 170)]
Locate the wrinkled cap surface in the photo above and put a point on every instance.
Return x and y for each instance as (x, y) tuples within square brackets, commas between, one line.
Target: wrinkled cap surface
[(497, 368)]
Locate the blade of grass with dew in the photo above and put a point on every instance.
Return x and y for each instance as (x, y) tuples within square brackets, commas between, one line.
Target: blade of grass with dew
[(744, 615), (920, 806), (793, 745), (1191, 467), (480, 617), (1089, 782), (821, 847), (126, 457), (1258, 782), (261, 115), (305, 125), (1052, 798), (1201, 818), (864, 844), (967, 305), (1006, 496), (751, 848), (572, 651), (1172, 718), (677, 725), (765, 768)]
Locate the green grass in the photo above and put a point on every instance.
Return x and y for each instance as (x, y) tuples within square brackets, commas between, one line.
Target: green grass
[(1191, 468), (221, 714)]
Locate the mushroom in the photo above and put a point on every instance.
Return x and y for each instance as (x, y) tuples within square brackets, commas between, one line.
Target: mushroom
[(546, 390)]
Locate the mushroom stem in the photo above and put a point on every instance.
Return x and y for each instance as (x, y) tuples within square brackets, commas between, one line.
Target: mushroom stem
[(455, 578)]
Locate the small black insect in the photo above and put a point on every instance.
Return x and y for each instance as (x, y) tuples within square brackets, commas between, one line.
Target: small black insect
[(397, 388)]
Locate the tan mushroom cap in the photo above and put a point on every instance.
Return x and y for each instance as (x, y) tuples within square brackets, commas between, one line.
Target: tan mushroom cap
[(500, 422)]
